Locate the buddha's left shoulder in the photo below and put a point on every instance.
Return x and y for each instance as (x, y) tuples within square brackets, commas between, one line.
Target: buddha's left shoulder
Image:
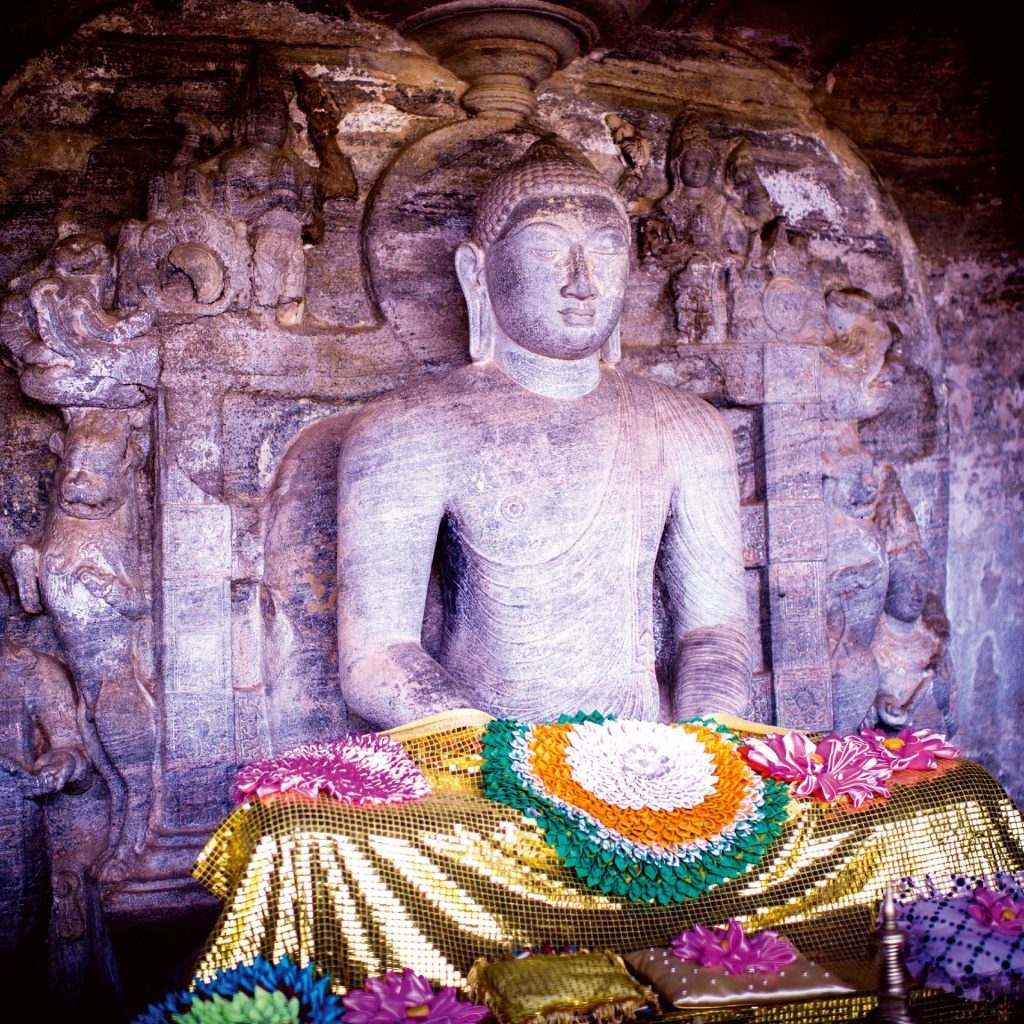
[(681, 414)]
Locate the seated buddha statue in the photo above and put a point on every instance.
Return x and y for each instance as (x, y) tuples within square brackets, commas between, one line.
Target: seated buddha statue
[(562, 492)]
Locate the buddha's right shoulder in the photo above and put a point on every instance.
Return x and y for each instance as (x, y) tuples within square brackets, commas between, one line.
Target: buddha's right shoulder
[(429, 407)]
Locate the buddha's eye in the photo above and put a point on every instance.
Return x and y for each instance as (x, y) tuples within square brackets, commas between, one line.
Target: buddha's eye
[(550, 251), (608, 243)]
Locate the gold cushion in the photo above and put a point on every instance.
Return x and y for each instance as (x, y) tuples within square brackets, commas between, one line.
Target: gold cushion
[(557, 988)]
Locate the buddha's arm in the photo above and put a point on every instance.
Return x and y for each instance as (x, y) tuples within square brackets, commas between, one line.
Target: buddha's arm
[(701, 567), (390, 504)]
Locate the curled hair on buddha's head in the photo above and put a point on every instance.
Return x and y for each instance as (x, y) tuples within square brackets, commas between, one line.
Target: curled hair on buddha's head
[(550, 169)]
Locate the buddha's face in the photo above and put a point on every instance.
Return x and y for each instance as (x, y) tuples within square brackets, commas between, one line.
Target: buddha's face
[(556, 279)]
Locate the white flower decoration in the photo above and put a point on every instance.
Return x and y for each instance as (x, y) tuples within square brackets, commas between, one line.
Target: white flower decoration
[(641, 764)]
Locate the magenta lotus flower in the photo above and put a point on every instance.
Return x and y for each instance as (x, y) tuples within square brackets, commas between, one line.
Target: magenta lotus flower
[(364, 768), (834, 767), (999, 910), (909, 748), (728, 947), (397, 998)]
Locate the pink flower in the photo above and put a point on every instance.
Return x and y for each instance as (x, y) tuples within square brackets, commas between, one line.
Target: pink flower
[(909, 748), (834, 767), (397, 998), (364, 768), (731, 949), (999, 910)]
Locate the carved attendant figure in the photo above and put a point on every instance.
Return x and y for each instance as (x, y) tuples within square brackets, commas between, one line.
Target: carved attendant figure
[(558, 483), (263, 184), (701, 231)]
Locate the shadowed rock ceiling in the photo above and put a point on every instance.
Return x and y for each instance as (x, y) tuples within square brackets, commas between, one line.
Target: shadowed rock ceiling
[(929, 95)]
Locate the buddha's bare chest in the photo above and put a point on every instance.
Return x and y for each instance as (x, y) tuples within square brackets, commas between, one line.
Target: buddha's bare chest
[(527, 491)]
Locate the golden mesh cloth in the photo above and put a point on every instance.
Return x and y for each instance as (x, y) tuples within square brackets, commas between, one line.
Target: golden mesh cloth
[(434, 885)]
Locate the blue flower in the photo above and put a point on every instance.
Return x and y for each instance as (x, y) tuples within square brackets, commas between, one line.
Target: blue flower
[(317, 1004)]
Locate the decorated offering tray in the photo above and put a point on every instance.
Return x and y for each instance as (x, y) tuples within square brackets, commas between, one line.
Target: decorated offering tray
[(548, 838)]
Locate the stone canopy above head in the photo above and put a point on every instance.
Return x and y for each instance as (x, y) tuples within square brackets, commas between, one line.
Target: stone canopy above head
[(561, 488)]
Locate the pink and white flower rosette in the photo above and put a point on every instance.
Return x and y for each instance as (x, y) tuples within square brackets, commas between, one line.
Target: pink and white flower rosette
[(832, 767), (365, 768), (910, 748), (397, 997)]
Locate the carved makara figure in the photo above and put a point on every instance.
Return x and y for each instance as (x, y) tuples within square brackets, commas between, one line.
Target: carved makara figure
[(564, 491), (84, 571), (635, 151), (68, 346)]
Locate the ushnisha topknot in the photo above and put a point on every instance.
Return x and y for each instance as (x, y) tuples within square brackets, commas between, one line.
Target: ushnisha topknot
[(550, 168)]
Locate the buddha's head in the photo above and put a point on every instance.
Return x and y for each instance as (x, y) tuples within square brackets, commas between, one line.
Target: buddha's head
[(547, 266)]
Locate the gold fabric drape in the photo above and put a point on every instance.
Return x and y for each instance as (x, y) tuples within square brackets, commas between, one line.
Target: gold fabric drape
[(436, 884)]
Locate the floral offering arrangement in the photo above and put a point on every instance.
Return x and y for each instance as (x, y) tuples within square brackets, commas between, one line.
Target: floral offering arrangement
[(260, 992), (966, 936), (363, 768), (732, 950), (852, 767), (398, 997), (643, 810)]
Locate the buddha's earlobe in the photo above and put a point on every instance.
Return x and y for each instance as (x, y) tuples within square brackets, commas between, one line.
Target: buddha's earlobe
[(611, 350), (469, 267)]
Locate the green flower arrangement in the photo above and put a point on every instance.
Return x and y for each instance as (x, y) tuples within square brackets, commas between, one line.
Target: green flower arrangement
[(262, 1007)]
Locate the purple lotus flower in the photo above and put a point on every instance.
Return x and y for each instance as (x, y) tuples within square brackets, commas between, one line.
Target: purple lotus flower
[(909, 748), (999, 910), (729, 948), (364, 768), (834, 767), (397, 998)]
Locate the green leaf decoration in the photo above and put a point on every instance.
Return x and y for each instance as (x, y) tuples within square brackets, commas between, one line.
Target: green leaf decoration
[(262, 1007)]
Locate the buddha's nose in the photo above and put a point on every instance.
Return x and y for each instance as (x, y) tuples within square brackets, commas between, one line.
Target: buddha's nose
[(579, 285)]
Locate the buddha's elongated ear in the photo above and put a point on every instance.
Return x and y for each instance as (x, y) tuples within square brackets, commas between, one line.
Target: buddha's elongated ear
[(469, 266), (611, 350)]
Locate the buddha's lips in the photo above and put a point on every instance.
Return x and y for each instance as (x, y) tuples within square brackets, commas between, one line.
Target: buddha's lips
[(577, 317)]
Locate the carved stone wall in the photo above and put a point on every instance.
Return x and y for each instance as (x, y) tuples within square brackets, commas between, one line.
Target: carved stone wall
[(279, 197)]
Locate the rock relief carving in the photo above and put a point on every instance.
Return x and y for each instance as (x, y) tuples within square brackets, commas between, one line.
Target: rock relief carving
[(226, 232), (887, 633), (337, 178), (67, 345), (101, 368), (46, 764), (635, 151), (84, 571), (735, 272)]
